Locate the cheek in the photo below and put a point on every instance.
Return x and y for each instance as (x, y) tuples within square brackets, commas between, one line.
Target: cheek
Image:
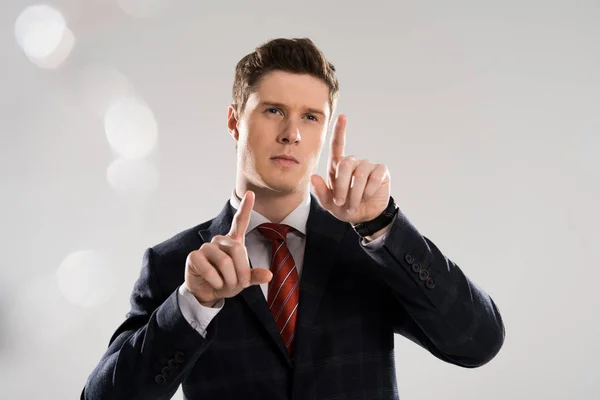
[(315, 153), (320, 142), (251, 138), (258, 134)]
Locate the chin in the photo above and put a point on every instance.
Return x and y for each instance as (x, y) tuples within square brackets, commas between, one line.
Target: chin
[(280, 181), (285, 187), (282, 185)]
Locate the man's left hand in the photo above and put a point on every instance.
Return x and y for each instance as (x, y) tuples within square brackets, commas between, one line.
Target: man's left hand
[(357, 190)]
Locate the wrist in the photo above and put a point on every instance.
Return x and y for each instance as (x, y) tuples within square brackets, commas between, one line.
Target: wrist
[(204, 303), (209, 304), (377, 226)]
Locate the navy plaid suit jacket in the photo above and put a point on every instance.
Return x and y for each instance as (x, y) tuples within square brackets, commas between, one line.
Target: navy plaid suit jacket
[(352, 301)]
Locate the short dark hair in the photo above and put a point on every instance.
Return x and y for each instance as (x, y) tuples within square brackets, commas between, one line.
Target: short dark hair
[(297, 55)]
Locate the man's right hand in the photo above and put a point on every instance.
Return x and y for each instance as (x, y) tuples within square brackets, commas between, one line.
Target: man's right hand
[(220, 269)]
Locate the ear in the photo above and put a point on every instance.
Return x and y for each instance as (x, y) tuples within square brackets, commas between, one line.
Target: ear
[(232, 121)]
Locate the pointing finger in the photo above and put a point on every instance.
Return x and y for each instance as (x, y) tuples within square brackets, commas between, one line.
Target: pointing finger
[(338, 139), (241, 219)]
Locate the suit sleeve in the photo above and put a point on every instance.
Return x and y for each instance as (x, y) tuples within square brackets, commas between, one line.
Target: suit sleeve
[(431, 301), (152, 351)]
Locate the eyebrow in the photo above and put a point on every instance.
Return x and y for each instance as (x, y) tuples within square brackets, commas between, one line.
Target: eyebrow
[(273, 104)]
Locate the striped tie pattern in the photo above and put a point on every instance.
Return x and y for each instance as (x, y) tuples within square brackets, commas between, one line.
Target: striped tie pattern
[(284, 289)]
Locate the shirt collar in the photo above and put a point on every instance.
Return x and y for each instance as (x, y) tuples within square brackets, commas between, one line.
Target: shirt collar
[(296, 219)]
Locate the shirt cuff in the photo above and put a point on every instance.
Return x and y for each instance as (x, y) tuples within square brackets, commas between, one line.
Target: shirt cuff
[(197, 315), (376, 243)]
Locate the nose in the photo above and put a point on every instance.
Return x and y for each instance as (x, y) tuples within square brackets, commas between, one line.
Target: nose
[(290, 134)]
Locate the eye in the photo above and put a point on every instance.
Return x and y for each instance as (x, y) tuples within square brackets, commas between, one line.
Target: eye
[(270, 109), (314, 118)]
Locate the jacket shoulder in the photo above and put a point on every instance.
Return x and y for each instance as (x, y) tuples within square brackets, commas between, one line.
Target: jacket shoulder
[(181, 242)]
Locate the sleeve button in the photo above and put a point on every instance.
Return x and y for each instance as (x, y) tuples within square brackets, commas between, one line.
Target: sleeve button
[(409, 258), (179, 357), (161, 380), (430, 283), (416, 267), (423, 275)]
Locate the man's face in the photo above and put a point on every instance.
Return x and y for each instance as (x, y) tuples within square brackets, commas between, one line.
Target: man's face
[(288, 114)]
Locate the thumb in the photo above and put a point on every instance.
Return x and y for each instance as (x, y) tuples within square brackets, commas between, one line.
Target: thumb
[(322, 192), (260, 275)]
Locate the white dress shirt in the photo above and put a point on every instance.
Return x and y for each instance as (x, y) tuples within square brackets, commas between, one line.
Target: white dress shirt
[(259, 252)]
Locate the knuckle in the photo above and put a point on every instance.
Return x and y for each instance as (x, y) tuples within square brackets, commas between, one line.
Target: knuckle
[(360, 175), (383, 170), (194, 258), (223, 260), (346, 162), (206, 246), (217, 238), (377, 177), (209, 272)]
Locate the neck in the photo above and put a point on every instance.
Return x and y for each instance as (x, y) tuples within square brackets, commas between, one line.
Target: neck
[(274, 206)]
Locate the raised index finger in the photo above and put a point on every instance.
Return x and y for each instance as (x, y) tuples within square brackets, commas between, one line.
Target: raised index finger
[(338, 139), (241, 219)]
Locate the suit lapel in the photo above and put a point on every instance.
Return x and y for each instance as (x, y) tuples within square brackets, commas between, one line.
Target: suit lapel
[(323, 236)]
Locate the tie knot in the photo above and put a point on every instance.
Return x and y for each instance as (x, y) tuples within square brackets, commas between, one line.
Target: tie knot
[(274, 231)]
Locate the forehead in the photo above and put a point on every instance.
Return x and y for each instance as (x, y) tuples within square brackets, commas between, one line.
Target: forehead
[(294, 90)]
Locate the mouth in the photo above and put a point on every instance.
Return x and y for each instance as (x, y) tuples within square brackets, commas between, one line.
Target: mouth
[(285, 161), (286, 158)]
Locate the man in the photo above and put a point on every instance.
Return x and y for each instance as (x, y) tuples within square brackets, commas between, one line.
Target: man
[(288, 294)]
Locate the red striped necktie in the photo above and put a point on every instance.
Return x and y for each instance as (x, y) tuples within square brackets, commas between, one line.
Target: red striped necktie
[(284, 288)]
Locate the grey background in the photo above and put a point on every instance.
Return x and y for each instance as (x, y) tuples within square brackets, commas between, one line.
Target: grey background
[(486, 114)]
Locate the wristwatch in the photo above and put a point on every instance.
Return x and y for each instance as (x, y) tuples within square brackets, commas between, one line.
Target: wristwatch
[(368, 228)]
